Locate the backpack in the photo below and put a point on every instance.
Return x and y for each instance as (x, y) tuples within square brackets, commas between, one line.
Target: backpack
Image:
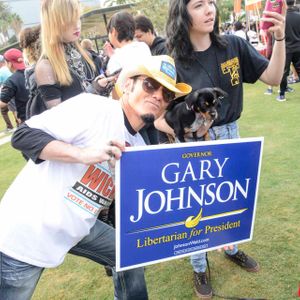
[(35, 105)]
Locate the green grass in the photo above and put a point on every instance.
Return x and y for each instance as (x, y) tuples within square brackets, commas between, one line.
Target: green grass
[(276, 240)]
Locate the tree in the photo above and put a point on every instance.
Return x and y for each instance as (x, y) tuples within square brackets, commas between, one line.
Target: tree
[(16, 23), (156, 11), (225, 9), (8, 21), (4, 21)]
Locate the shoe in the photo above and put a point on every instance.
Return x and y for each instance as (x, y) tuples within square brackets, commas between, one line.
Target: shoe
[(291, 80), (268, 92), (281, 98), (244, 261), (108, 271), (202, 286), (10, 130), (289, 90)]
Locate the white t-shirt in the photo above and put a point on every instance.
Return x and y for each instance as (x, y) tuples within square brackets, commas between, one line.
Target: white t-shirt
[(51, 206), (241, 33), (126, 55)]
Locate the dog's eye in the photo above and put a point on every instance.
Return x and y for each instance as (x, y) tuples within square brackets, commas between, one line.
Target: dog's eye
[(206, 103)]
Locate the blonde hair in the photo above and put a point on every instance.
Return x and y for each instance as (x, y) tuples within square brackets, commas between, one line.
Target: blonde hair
[(56, 16), (87, 44)]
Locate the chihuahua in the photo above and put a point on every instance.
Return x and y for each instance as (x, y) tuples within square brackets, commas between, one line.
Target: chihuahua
[(195, 114)]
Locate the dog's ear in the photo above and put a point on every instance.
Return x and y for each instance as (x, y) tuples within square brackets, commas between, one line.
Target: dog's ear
[(220, 93), (191, 98)]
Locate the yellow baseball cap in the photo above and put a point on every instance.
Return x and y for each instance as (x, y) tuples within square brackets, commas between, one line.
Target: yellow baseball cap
[(161, 68)]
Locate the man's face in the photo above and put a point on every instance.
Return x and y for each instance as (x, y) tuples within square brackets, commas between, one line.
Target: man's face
[(148, 97), (113, 37), (9, 66), (146, 37)]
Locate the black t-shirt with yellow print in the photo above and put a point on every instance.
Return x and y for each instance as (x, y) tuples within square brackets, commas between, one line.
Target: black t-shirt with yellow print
[(226, 68)]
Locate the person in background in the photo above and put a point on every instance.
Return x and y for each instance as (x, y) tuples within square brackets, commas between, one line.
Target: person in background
[(252, 35), (65, 69), (144, 32), (121, 29), (4, 74), (30, 43), (87, 44), (14, 86), (292, 36), (204, 58), (63, 159), (239, 30)]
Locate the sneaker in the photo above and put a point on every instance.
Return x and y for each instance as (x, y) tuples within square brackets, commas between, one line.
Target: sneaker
[(10, 130), (289, 90), (202, 286), (281, 98), (108, 271), (244, 261), (291, 80), (268, 92)]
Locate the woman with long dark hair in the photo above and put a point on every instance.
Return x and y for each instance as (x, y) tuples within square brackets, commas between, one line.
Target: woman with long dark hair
[(206, 59)]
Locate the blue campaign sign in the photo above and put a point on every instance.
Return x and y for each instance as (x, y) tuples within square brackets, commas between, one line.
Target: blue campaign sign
[(178, 199)]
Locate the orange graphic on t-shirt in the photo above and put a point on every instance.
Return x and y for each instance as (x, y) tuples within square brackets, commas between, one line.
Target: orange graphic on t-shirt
[(99, 181)]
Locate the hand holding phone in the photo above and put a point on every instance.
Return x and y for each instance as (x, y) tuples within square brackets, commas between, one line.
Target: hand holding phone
[(274, 6), (114, 73)]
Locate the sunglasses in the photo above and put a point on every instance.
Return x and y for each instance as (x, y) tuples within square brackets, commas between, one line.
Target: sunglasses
[(150, 86)]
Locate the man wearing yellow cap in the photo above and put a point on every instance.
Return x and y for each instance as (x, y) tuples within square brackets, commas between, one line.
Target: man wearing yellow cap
[(52, 206)]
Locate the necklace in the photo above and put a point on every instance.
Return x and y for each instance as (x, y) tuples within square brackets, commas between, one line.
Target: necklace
[(78, 66), (213, 59)]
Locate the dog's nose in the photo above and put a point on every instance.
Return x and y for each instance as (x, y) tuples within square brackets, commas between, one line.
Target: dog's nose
[(214, 114)]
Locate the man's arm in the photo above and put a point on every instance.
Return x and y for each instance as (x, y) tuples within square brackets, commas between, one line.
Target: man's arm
[(57, 150), (273, 73), (40, 146), (8, 92), (2, 104)]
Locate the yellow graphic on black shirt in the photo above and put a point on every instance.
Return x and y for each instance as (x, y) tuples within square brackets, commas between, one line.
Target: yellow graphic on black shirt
[(231, 66)]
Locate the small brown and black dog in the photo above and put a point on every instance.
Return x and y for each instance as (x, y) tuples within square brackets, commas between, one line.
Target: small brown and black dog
[(195, 114)]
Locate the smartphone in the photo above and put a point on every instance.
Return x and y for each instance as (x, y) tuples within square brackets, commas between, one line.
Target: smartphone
[(115, 72), (271, 5)]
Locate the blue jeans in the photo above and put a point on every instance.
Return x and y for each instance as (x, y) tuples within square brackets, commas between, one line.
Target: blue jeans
[(18, 280), (228, 131)]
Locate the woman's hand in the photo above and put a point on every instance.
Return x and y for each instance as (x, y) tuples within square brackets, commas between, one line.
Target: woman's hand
[(278, 29), (104, 81)]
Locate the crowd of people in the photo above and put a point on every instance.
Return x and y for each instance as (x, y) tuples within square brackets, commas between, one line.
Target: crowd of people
[(263, 42), (118, 100)]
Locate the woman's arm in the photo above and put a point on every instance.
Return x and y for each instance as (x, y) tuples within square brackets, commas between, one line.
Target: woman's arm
[(46, 82), (273, 74)]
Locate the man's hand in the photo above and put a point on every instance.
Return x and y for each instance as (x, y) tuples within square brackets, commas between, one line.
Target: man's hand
[(108, 49), (110, 152), (60, 151)]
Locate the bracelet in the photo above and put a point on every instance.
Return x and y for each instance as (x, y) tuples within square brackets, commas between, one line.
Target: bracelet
[(280, 40)]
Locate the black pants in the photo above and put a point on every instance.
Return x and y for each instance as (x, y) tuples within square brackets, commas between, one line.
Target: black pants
[(290, 58)]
